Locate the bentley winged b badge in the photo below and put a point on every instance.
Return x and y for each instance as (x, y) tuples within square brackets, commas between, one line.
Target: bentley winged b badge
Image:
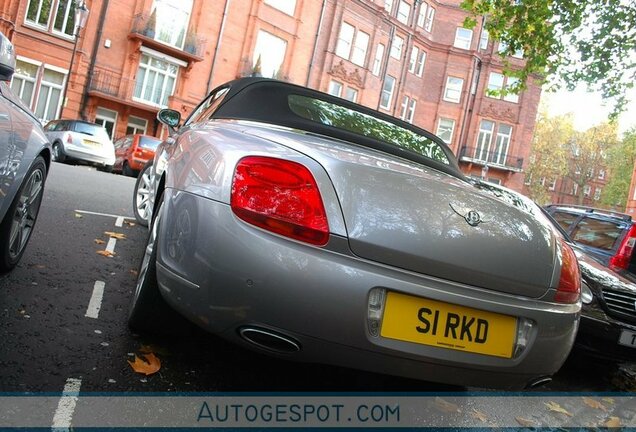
[(472, 217)]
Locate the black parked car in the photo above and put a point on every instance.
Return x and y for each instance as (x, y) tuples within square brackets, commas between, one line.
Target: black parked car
[(603, 242)]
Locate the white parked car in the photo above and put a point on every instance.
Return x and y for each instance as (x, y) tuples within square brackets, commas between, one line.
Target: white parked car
[(81, 140)]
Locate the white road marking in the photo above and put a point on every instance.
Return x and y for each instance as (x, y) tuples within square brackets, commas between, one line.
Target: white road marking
[(103, 214), (119, 222), (66, 406), (110, 247), (95, 304)]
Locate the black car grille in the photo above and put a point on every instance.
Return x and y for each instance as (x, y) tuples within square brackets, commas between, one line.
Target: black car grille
[(620, 302)]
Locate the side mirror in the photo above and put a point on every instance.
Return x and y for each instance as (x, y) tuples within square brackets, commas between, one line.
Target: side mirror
[(7, 58), (170, 118)]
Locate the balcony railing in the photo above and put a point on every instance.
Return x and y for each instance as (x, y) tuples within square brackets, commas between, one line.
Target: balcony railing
[(112, 84), (490, 158), (184, 45)]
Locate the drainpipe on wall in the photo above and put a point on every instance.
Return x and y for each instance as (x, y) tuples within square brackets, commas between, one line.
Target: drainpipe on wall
[(218, 44), (385, 64), (404, 62), (91, 66), (313, 53)]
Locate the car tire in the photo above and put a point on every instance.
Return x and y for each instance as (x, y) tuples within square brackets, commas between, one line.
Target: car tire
[(106, 168), (141, 195), (126, 170), (149, 313), (18, 223), (58, 152)]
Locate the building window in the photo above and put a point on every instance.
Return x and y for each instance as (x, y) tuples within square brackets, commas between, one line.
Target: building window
[(173, 17), (396, 47), (55, 16), (24, 79), (359, 53), (388, 6), (271, 51), (483, 39), (421, 15), (136, 125), (575, 189), (38, 12), (404, 11), (377, 62), (503, 47), (601, 174), (453, 90), (50, 95), (445, 129), (498, 82), (463, 38), (345, 40), (287, 6), (552, 185), (335, 88), (156, 79), (416, 62), (597, 194), (108, 119), (351, 94), (408, 109), (65, 17), (387, 92), (486, 129), (428, 25), (499, 154), (587, 189)]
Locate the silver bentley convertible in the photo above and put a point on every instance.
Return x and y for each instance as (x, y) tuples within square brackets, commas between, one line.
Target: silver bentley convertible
[(315, 229)]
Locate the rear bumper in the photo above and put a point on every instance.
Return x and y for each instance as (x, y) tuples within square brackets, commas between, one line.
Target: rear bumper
[(82, 153), (223, 275)]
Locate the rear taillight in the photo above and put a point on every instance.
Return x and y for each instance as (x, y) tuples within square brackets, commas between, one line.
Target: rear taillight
[(280, 196), (621, 260), (69, 139), (569, 288)]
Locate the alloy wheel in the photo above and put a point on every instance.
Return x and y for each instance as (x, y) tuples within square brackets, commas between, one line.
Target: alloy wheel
[(25, 213)]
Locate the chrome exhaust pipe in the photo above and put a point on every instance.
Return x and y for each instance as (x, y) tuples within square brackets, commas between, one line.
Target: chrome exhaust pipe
[(537, 382), (269, 340)]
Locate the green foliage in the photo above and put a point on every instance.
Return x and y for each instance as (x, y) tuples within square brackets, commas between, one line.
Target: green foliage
[(620, 163), (566, 41)]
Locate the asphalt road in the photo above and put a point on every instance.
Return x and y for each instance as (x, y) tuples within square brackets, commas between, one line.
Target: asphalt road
[(46, 336)]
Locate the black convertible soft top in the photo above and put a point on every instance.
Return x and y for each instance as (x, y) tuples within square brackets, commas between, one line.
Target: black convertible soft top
[(285, 104)]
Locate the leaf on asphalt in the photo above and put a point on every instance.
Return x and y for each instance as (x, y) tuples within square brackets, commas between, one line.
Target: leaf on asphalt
[(118, 236), (555, 407), (150, 366), (613, 422), (78, 216), (106, 253), (479, 416), (525, 422), (134, 272), (608, 400), (129, 223), (593, 403), (445, 406), (98, 241)]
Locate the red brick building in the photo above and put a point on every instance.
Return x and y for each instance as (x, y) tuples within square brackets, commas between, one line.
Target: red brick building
[(409, 58)]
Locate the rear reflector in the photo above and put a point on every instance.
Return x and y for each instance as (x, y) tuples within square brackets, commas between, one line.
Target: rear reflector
[(621, 260), (280, 196), (569, 288)]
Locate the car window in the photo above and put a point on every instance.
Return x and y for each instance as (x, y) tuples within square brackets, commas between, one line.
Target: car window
[(208, 106), (351, 120), (565, 219), (50, 126), (91, 129), (148, 142), (597, 233), (62, 126)]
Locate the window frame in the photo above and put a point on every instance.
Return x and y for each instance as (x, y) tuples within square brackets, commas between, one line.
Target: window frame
[(448, 87), (396, 50), (452, 129), (385, 91), (463, 41), (378, 60)]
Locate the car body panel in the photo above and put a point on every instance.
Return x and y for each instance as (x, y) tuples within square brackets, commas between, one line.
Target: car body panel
[(134, 151)]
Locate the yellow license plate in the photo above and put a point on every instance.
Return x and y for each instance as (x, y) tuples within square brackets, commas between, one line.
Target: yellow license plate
[(429, 322), (90, 143)]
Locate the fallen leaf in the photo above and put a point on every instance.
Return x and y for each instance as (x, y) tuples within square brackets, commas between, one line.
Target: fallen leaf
[(78, 216), (98, 241), (479, 415), (129, 223), (150, 366), (608, 400), (106, 253), (134, 272), (555, 407), (613, 422), (118, 236), (525, 422), (593, 403), (445, 406)]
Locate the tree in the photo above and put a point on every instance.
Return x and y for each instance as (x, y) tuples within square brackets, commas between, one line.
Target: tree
[(550, 154), (566, 41), (620, 166), (590, 150)]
